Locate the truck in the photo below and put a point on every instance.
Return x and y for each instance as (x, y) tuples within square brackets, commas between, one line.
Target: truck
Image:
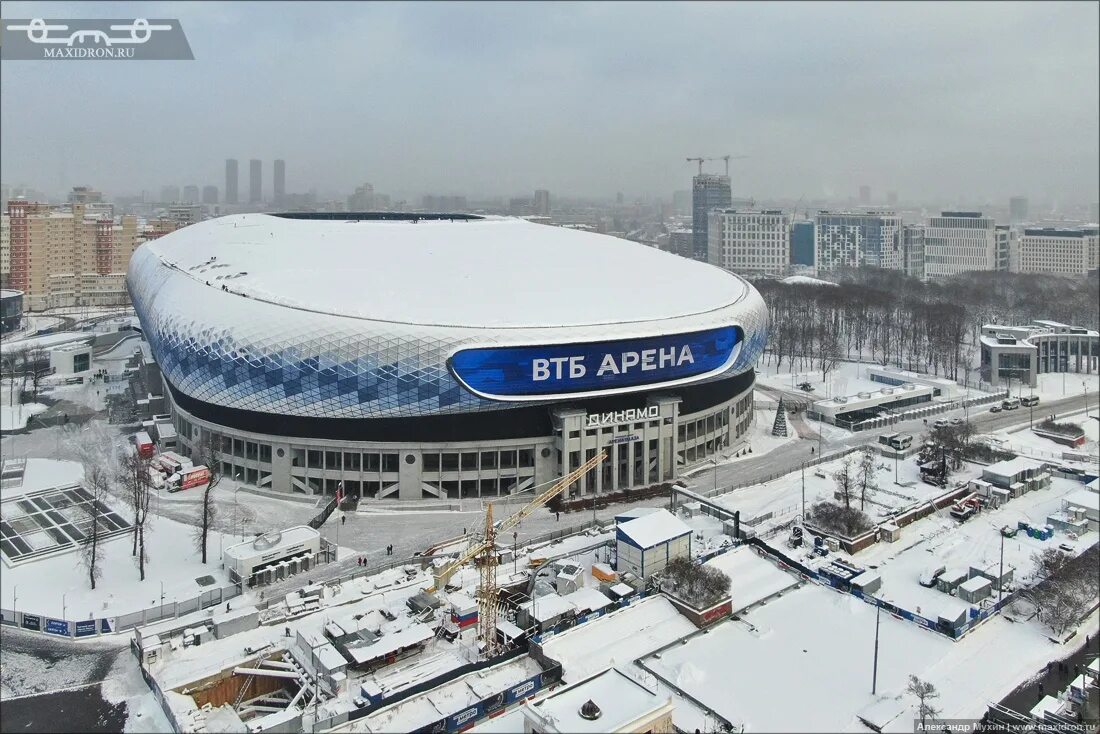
[(145, 447), (198, 476), (169, 462)]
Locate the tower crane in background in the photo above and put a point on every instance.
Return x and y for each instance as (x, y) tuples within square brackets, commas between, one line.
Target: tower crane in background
[(727, 158), (488, 593)]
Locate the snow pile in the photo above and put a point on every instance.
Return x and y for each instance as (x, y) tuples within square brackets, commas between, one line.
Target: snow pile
[(15, 417), (805, 280)]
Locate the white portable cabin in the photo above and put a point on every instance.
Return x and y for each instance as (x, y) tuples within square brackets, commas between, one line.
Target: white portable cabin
[(647, 544)]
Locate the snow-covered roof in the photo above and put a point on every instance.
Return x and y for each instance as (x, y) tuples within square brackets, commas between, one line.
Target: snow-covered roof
[(587, 598), (975, 584), (805, 280), (417, 272), (1084, 498), (547, 607), (654, 529), (413, 634), (635, 513), (620, 699), (1012, 467)]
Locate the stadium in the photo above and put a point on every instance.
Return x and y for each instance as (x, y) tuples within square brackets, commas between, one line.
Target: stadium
[(428, 356)]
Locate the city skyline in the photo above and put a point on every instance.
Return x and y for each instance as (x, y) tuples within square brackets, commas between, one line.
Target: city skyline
[(562, 112)]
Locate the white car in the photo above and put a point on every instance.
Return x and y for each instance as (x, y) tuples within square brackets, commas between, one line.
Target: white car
[(941, 423), (956, 421), (1066, 547)]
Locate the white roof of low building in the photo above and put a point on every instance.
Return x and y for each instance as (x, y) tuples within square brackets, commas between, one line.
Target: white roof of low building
[(654, 529), (587, 598), (1084, 498), (413, 634), (975, 584), (1011, 467), (289, 538), (620, 699), (547, 607)]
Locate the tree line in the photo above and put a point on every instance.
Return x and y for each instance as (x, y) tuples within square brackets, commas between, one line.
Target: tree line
[(895, 320)]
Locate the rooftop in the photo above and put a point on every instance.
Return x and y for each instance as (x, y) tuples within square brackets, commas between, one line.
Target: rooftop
[(654, 529), (390, 267), (1012, 467), (608, 701)]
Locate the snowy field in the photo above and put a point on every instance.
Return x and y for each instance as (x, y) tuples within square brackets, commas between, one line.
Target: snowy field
[(1027, 442), (847, 378), (806, 664), (15, 417)]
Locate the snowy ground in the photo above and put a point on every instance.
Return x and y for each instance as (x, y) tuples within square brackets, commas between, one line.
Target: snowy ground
[(759, 438), (1057, 385), (1026, 442), (814, 646), (752, 577), (15, 417), (847, 378)]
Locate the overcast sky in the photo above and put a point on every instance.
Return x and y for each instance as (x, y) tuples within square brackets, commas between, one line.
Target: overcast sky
[(934, 100)]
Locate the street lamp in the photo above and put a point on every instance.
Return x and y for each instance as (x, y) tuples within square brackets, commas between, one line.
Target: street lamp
[(1086, 386), (64, 608)]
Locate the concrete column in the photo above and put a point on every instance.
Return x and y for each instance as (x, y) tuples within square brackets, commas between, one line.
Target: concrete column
[(280, 467), (410, 475)]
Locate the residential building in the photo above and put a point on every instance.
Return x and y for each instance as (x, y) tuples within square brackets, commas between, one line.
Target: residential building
[(68, 256), (191, 194), (1017, 209), (362, 200), (280, 182), (680, 242), (231, 179), (912, 250), (542, 203), (610, 701), (856, 239), (708, 191), (1070, 252), (185, 214), (517, 206), (958, 242), (255, 182), (85, 195), (802, 243), (209, 194), (750, 242)]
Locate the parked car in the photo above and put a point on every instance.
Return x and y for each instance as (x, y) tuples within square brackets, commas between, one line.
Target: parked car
[(1009, 532), (805, 387), (1066, 547), (932, 572), (956, 421), (996, 409), (941, 423)]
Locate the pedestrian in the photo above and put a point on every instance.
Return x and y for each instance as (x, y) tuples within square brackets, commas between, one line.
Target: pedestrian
[(359, 561), (227, 606), (558, 518), (343, 519), (811, 451)]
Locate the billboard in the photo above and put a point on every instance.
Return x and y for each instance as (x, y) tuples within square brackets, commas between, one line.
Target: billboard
[(595, 368)]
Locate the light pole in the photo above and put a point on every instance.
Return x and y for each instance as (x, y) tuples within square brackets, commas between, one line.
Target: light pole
[(64, 608), (1086, 386), (1001, 572), (803, 492), (874, 670), (161, 598), (715, 462)]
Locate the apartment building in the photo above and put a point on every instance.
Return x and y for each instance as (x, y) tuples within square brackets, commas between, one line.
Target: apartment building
[(958, 242), (67, 256), (912, 249), (855, 239), (749, 242), (1069, 252)]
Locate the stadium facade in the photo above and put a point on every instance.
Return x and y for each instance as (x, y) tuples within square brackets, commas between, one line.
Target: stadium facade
[(443, 356)]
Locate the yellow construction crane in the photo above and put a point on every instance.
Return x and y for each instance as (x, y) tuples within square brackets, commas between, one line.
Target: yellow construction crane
[(488, 591)]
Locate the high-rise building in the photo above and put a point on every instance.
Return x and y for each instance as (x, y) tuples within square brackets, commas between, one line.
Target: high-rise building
[(209, 194), (362, 200), (681, 202), (856, 239), (190, 194), (708, 191), (280, 182), (749, 242), (865, 195), (255, 182), (170, 194), (1071, 252), (1017, 209), (519, 206), (802, 243), (912, 250), (681, 242), (1003, 233), (958, 242), (542, 203), (68, 256), (231, 179), (85, 195)]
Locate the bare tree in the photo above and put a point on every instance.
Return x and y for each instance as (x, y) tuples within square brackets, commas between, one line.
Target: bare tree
[(865, 479), (1066, 589), (845, 482), (97, 484), (37, 361), (925, 693), (138, 488), (206, 453)]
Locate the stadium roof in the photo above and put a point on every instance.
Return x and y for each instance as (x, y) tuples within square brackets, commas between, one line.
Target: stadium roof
[(470, 271)]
